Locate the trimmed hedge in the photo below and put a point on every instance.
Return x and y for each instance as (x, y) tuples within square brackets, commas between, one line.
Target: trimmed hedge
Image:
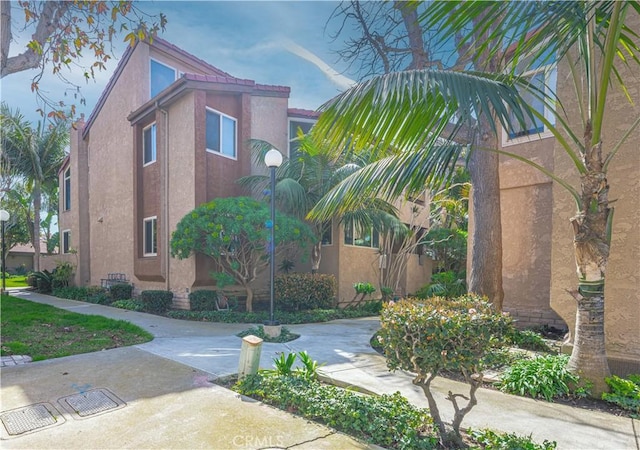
[(304, 291), (120, 291), (203, 300), (157, 302)]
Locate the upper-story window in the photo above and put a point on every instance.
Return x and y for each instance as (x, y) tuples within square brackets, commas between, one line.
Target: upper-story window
[(221, 133), (362, 238), (294, 125), (543, 76), (327, 233), (67, 189), (161, 77), (149, 144)]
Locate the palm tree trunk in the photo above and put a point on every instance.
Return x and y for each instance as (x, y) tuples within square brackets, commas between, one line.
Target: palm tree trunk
[(37, 201), (485, 273), (592, 231)]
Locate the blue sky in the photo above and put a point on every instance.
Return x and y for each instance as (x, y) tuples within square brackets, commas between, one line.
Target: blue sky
[(271, 42)]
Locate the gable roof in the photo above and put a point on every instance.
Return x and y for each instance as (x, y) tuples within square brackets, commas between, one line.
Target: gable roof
[(216, 75)]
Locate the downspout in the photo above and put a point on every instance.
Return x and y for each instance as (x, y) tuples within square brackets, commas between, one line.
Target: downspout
[(165, 212)]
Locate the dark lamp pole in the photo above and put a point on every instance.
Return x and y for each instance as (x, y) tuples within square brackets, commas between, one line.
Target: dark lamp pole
[(4, 216), (272, 159)]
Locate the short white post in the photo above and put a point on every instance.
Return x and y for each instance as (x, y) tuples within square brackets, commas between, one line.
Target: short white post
[(249, 356)]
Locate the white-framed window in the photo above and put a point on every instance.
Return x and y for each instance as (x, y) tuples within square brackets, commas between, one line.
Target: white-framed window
[(305, 126), (67, 190), (360, 238), (221, 133), (66, 242), (543, 76), (161, 76), (149, 236), (327, 233), (149, 145)]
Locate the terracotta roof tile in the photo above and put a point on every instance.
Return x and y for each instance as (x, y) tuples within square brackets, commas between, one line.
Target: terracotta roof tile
[(304, 113)]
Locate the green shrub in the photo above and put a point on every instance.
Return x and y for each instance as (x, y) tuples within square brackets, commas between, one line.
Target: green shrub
[(304, 291), (70, 292), (120, 291), (130, 304), (284, 317), (529, 340), (365, 417), (508, 441), (156, 302), (43, 281), (541, 377), (425, 337), (203, 300), (99, 298), (624, 392), (62, 274), (285, 334), (444, 284)]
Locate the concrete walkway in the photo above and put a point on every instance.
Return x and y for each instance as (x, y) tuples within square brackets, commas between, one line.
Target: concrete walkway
[(171, 403)]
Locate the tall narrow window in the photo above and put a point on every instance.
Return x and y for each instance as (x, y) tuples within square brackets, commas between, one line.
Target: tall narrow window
[(67, 189), (221, 133), (149, 144), (150, 236), (327, 233), (161, 77), (66, 241)]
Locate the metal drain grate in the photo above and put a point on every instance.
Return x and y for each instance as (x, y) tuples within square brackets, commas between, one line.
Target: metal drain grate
[(29, 418), (91, 402)]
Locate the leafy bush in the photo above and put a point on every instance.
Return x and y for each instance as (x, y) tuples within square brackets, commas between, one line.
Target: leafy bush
[(62, 274), (78, 293), (304, 291), (425, 337), (544, 376), (529, 340), (99, 298), (130, 304), (283, 366), (448, 248), (362, 416), (624, 392), (43, 281), (285, 334), (203, 300), (508, 441), (444, 284), (120, 291), (157, 302)]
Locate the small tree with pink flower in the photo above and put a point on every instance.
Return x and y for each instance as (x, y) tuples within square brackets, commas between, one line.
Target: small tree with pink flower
[(428, 336)]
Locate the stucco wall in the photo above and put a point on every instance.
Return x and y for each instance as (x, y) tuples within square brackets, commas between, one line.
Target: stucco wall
[(622, 290), (111, 165), (269, 121)]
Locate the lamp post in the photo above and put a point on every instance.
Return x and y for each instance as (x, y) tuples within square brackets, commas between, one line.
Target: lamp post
[(4, 216), (272, 159)]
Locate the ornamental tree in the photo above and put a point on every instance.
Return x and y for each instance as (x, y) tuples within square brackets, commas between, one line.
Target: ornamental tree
[(235, 232), (427, 336)]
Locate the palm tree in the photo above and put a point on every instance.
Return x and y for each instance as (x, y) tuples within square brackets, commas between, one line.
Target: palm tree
[(304, 179), (35, 154), (409, 109)]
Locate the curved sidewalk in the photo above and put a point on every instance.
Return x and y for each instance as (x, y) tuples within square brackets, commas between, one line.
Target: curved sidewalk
[(212, 350)]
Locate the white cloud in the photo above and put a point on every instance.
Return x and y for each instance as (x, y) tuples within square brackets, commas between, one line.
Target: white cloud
[(334, 76)]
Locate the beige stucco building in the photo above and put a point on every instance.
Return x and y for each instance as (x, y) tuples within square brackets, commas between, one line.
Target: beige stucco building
[(169, 133), (538, 255)]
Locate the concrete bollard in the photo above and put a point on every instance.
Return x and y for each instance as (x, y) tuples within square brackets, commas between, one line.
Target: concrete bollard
[(249, 356)]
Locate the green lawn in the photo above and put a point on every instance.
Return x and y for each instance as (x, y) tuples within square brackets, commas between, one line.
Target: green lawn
[(16, 281), (43, 332)]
